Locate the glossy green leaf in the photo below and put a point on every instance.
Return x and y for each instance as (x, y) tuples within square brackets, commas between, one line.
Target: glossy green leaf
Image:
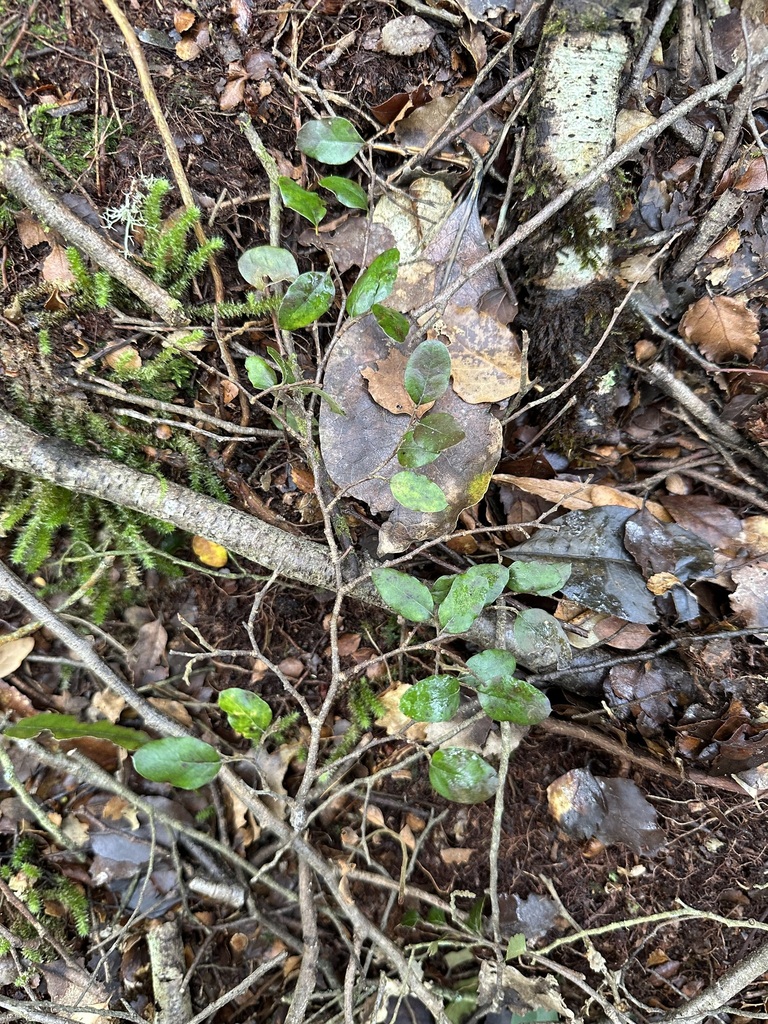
[(184, 761), (437, 431), (289, 368), (67, 727), (404, 594), (374, 284), (492, 663), (307, 299), (536, 630), (513, 700), (470, 592), (267, 263), (462, 776), (308, 204), (427, 372), (246, 712), (542, 578), (332, 140), (411, 454), (260, 373), (434, 699), (395, 325), (347, 192), (417, 492), (441, 586)]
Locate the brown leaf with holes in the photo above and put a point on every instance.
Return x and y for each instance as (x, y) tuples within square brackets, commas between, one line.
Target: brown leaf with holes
[(386, 385), (721, 327)]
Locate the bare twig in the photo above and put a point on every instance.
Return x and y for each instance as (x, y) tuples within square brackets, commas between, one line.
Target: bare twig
[(166, 956)]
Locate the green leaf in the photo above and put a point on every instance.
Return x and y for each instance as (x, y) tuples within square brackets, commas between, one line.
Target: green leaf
[(246, 712), (441, 586), (535, 631), (461, 775), (315, 389), (513, 700), (307, 299), (260, 373), (394, 324), (289, 368), (404, 594), (347, 192), (374, 284), (411, 454), (267, 263), (470, 592), (542, 578), (434, 699), (309, 205), (427, 372), (410, 919), (475, 916), (184, 761), (417, 492), (437, 431), (492, 663), (67, 727), (516, 946), (332, 140)]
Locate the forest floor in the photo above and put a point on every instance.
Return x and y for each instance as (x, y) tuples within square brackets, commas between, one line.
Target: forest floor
[(619, 868)]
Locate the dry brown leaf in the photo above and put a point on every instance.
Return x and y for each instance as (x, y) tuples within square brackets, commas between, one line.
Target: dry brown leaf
[(173, 709), (577, 496), (13, 654), (31, 232), (629, 123), (209, 552), (485, 356), (108, 704), (721, 327), (188, 48), (116, 808), (407, 35), (56, 268), (183, 21), (393, 721), (234, 91), (456, 856), (726, 246), (755, 177), (386, 385), (126, 357), (750, 599)]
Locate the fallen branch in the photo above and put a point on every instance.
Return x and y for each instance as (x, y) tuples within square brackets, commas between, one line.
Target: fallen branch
[(295, 558), (18, 177)]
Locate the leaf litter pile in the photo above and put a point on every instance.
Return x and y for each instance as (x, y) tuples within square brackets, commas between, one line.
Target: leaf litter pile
[(384, 530)]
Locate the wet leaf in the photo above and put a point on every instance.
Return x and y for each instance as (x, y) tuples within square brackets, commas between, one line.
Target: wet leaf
[(267, 263), (347, 192), (513, 700), (604, 575), (183, 761), (395, 325), (542, 578), (332, 140), (306, 300), (67, 727), (721, 327), (434, 699), (462, 776), (404, 594), (209, 552), (611, 810), (246, 712), (536, 630), (374, 284), (260, 373), (469, 593), (417, 492), (308, 204), (427, 372)]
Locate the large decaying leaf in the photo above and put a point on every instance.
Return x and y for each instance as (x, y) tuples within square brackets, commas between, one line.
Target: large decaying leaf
[(437, 242), (722, 327), (604, 575)]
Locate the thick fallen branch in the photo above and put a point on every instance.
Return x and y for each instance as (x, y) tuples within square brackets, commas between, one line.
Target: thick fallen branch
[(18, 177), (294, 558)]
